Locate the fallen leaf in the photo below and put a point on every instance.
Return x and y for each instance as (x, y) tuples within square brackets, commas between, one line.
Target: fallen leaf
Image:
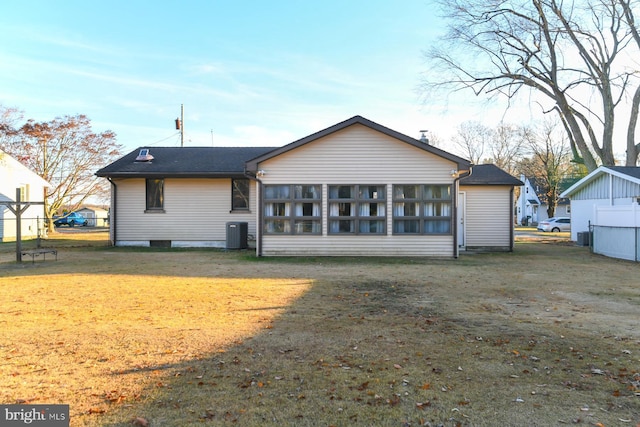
[(139, 421), (395, 365)]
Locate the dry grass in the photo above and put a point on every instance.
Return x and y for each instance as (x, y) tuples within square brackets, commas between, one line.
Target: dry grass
[(543, 336)]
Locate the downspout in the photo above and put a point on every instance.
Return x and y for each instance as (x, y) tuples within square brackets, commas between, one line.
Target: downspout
[(456, 187), (259, 227), (112, 215), (512, 214)]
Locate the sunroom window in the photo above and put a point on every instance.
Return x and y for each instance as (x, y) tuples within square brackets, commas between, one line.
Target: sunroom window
[(357, 209), (292, 209), (422, 209)]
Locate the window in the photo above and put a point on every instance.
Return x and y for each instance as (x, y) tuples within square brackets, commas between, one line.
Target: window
[(422, 209), (292, 209), (357, 209), (239, 194), (155, 194), (24, 192)]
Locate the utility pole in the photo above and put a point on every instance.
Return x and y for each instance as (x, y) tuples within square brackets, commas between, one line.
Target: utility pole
[(180, 125)]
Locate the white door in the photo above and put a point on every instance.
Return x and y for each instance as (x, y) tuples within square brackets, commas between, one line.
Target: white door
[(462, 198)]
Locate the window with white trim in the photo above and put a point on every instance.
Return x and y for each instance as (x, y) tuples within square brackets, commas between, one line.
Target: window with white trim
[(292, 209), (357, 209), (422, 209)]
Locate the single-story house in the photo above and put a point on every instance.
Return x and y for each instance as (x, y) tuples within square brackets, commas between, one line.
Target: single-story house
[(14, 175), (95, 215), (355, 188), (605, 186)]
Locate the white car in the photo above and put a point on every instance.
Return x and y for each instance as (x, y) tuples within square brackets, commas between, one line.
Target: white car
[(560, 223)]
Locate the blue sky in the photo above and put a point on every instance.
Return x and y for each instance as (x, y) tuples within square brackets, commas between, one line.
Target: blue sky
[(248, 73)]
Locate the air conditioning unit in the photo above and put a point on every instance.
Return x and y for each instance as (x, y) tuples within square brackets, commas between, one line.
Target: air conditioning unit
[(583, 238), (237, 235)]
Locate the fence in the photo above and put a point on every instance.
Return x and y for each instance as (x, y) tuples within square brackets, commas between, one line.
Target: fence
[(34, 227), (31, 228), (616, 242)]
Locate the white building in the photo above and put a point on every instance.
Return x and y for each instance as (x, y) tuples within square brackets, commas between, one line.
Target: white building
[(14, 175)]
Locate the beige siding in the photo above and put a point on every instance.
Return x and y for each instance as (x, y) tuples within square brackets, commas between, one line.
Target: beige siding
[(195, 212), (436, 246), (488, 219), (357, 155)]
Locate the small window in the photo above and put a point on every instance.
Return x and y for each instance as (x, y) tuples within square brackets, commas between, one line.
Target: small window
[(155, 194), (24, 192), (240, 194)]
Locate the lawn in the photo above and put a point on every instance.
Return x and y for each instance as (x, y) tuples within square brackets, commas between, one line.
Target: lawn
[(547, 335)]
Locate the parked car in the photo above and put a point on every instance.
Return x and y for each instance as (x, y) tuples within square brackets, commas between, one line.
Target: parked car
[(560, 223), (72, 219)]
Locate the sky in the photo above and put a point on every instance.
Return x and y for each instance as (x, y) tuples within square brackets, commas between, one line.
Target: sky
[(247, 72)]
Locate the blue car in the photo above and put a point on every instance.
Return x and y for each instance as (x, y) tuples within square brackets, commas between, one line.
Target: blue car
[(72, 219)]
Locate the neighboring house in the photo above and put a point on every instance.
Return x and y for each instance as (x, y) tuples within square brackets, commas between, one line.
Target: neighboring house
[(96, 216), (355, 188), (14, 175), (532, 203), (485, 209), (605, 186)]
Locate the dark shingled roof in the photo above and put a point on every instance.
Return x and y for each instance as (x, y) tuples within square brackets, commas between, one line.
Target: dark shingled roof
[(489, 175), (185, 162), (632, 171)]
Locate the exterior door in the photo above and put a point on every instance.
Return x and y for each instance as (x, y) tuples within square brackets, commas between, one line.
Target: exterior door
[(462, 199)]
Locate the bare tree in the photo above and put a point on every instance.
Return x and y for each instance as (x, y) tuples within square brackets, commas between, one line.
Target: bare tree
[(572, 56), (9, 119), (65, 152), (506, 147), (471, 140), (549, 162)]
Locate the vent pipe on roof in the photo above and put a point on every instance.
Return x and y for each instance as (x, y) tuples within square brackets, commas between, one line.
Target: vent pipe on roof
[(423, 137)]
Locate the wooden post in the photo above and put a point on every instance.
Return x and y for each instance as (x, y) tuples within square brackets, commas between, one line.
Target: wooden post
[(20, 207), (18, 214)]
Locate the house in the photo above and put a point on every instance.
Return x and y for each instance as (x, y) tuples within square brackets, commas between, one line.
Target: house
[(605, 186), (485, 209), (180, 196), (355, 188), (96, 216), (532, 204), (14, 175)]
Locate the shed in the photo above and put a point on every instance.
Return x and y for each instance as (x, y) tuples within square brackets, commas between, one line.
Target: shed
[(605, 186)]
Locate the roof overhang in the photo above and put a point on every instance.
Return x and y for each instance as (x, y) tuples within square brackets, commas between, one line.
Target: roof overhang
[(172, 175), (602, 170)]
